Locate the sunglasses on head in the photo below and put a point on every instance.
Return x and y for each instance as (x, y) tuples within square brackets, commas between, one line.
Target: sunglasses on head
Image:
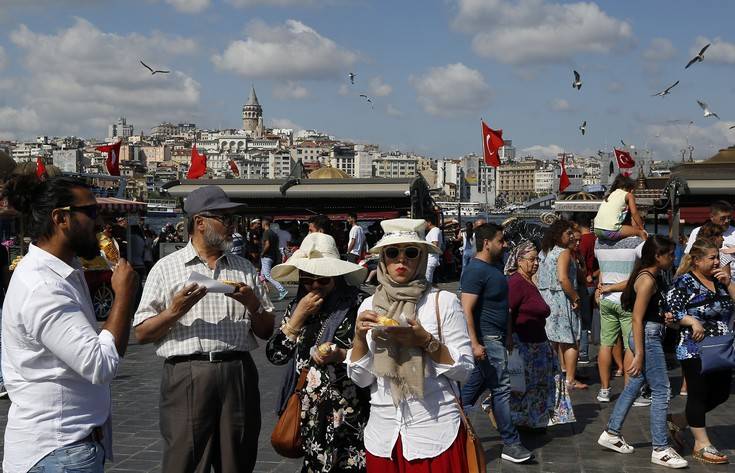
[(308, 280), (411, 252), (89, 210)]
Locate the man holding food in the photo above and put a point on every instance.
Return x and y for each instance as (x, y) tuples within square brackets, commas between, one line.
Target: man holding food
[(210, 403)]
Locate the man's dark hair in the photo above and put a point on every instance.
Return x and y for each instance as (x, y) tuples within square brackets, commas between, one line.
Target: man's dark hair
[(431, 218), (321, 223), (36, 200), (266, 220), (720, 206), (583, 219), (486, 231), (352, 215)]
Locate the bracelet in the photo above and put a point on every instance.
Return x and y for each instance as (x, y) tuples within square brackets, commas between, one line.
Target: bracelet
[(289, 331)]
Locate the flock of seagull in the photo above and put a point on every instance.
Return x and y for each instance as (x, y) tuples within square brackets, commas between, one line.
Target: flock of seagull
[(577, 84)]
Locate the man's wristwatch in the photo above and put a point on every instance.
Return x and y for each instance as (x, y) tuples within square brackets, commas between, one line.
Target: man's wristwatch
[(432, 345)]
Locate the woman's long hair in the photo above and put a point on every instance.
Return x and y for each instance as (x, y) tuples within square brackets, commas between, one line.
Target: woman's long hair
[(699, 249), (621, 182), (553, 234), (469, 230), (655, 246)]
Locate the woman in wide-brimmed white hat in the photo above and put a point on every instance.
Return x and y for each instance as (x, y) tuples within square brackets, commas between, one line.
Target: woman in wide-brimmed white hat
[(333, 410), (415, 422)]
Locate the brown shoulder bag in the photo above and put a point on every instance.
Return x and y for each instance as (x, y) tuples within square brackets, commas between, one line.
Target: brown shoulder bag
[(286, 436)]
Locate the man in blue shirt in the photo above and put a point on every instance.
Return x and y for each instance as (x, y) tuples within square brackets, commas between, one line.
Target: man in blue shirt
[(485, 304)]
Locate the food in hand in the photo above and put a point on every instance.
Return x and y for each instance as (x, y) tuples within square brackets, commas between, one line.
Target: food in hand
[(234, 284), (388, 322), (325, 349)]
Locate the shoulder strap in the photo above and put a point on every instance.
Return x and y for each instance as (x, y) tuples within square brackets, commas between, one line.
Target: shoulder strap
[(438, 317)]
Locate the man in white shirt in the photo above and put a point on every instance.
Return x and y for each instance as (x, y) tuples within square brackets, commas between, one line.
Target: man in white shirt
[(720, 214), (209, 412), (357, 239), (57, 368), (435, 237)]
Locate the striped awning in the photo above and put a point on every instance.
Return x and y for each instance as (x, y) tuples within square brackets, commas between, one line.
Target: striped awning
[(113, 205)]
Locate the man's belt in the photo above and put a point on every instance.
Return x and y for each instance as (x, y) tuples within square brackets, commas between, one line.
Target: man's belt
[(212, 356)]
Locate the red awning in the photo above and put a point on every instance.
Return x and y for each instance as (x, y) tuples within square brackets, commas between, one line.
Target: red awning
[(113, 205), (376, 215)]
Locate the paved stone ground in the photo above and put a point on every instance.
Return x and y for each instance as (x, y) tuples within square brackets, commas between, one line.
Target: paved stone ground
[(567, 448)]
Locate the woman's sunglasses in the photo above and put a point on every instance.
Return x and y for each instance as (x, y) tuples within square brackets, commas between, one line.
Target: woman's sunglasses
[(411, 252), (322, 280)]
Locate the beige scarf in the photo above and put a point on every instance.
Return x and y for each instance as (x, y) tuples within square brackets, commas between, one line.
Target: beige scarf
[(403, 366)]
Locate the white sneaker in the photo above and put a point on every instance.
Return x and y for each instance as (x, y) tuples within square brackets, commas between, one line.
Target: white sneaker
[(668, 458), (603, 395), (642, 401), (614, 442)]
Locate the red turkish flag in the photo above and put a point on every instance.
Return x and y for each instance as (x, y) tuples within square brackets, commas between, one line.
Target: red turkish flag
[(40, 168), (492, 141), (233, 167), (198, 166), (564, 181), (625, 160), (113, 157)]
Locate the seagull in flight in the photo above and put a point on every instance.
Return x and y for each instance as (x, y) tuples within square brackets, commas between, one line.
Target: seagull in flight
[(732, 127), (577, 84), (707, 111), (352, 76), (667, 91), (368, 99), (583, 127), (153, 72), (698, 58), (623, 143)]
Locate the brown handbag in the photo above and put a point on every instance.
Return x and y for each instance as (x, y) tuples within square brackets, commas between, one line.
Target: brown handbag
[(473, 445), (286, 436)]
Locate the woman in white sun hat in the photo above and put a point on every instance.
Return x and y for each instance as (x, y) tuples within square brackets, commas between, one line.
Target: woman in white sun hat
[(412, 369), (315, 334)]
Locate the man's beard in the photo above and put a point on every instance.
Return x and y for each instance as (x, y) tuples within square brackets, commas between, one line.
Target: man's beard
[(83, 243), (214, 240)]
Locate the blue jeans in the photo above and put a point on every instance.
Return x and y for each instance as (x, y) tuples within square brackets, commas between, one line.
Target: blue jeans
[(84, 457), (492, 373), (654, 373), (585, 317), (265, 268)]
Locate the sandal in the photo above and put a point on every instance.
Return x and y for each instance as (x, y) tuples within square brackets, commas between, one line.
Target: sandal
[(576, 385), (710, 455), (618, 374)]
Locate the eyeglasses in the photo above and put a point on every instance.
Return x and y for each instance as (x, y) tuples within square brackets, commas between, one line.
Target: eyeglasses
[(226, 219), (89, 210), (322, 280), (532, 259), (411, 252), (722, 219)]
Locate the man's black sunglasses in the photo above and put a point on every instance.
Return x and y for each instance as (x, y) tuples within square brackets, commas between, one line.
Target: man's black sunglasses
[(411, 252), (224, 219), (89, 210)]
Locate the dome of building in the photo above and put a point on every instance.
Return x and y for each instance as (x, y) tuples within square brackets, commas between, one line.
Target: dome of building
[(580, 196), (328, 172)]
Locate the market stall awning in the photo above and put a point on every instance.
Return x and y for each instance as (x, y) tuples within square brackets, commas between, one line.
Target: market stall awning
[(113, 205), (339, 217)]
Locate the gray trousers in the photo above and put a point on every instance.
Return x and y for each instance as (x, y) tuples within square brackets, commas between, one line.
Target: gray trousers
[(210, 416)]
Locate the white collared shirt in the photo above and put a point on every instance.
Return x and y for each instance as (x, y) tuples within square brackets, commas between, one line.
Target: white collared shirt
[(427, 426), (215, 323), (56, 368)]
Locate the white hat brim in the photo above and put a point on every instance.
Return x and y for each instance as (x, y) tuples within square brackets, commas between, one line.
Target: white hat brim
[(354, 274), (391, 240)]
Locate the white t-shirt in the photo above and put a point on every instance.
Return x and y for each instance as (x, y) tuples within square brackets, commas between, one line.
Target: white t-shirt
[(435, 235), (357, 234)]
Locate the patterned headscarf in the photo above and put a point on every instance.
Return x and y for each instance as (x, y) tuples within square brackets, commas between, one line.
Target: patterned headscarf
[(519, 252)]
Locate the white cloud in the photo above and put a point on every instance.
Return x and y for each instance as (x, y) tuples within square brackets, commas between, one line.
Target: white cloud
[(543, 151), (669, 139), (285, 123), (527, 32), (81, 77), (3, 58), (290, 90), (720, 52), (18, 123), (450, 90), (379, 88), (560, 105), (290, 52), (393, 111), (189, 6), (660, 49)]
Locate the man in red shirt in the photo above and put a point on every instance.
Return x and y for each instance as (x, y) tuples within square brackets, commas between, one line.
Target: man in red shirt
[(586, 253)]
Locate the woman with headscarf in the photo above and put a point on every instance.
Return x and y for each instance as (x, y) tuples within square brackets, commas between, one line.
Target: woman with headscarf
[(411, 369), (544, 401), (315, 334)]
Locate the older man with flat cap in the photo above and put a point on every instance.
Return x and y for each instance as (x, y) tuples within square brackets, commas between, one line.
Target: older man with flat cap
[(210, 403)]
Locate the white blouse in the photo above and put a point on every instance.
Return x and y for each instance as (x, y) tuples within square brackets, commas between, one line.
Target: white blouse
[(427, 426)]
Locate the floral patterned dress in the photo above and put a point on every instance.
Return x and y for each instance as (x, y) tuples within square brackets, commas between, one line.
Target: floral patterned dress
[(563, 324), (334, 411)]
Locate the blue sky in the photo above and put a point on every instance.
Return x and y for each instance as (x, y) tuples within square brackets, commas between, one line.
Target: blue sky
[(433, 67)]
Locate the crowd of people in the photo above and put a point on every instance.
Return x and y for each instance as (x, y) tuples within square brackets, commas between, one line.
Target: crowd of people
[(377, 383)]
